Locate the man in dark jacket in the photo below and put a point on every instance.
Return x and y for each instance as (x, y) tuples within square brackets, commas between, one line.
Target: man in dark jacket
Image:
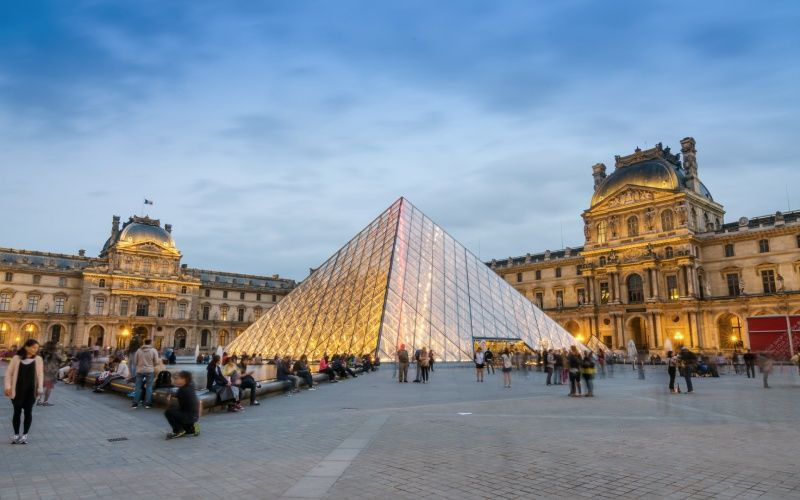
[(750, 364), (284, 375), (417, 354), (689, 360)]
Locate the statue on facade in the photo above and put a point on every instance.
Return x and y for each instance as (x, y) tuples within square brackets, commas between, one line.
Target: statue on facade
[(649, 215), (587, 232), (612, 225), (683, 214)]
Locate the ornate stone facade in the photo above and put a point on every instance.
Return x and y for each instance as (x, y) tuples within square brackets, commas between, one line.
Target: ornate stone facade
[(659, 263), (136, 286)]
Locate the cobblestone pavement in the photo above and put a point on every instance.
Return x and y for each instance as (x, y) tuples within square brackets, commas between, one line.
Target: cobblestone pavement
[(451, 438)]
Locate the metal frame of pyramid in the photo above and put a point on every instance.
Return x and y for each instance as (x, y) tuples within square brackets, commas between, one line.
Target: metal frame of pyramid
[(401, 280)]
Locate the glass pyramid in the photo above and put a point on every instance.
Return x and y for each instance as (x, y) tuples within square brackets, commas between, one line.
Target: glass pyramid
[(401, 280)]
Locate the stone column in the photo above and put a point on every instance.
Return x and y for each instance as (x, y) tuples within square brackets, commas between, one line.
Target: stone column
[(682, 282), (656, 292), (612, 286), (646, 284), (659, 331), (693, 340), (652, 331), (589, 295)]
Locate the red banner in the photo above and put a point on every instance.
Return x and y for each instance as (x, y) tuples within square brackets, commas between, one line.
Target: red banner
[(771, 334)]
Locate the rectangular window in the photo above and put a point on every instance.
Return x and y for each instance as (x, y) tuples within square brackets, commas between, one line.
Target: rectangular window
[(181, 311), (274, 298), (729, 250), (559, 298), (605, 294), (581, 296), (519, 277), (142, 307), (257, 312), (578, 270), (9, 276), (540, 300), (123, 307), (33, 303), (62, 282), (102, 283), (768, 280), (146, 266), (672, 287), (183, 289), (162, 309), (223, 313), (798, 241), (207, 292), (59, 305), (99, 305), (241, 295), (224, 294), (558, 272), (538, 274), (37, 278), (763, 246), (732, 280), (5, 301), (258, 296), (206, 311), (240, 316)]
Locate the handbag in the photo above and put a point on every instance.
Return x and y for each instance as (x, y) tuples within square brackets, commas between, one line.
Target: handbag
[(228, 393)]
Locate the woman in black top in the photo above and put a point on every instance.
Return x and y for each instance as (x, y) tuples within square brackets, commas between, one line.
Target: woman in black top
[(574, 365), (183, 419), (24, 382)]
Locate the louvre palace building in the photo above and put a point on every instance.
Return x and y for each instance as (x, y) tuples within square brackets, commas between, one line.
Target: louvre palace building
[(660, 265), (135, 287)]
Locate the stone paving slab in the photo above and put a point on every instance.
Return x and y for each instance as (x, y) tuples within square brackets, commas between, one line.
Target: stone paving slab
[(451, 438)]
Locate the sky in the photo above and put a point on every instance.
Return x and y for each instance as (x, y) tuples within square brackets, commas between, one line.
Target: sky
[(269, 133)]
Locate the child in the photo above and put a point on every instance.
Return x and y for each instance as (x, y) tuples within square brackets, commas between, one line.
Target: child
[(183, 419)]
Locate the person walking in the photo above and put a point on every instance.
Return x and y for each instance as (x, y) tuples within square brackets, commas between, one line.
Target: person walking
[(52, 362), (588, 372), (505, 359), (750, 364), (488, 358), (402, 364), (558, 365), (183, 419), (84, 365), (549, 359), (416, 360), (424, 365), (689, 360), (672, 365), (24, 382), (145, 361), (480, 362), (574, 368), (765, 363), (430, 359)]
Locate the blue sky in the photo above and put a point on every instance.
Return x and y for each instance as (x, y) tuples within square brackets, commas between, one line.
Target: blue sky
[(269, 133)]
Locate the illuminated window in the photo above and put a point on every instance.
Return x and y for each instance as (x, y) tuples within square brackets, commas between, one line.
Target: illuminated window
[(768, 280), (5, 301), (33, 303), (601, 232), (223, 313), (223, 337), (633, 226), (59, 305), (672, 287), (182, 310), (635, 289), (763, 246), (99, 305), (667, 222)]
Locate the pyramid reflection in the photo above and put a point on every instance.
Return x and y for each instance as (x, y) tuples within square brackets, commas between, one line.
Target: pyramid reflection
[(401, 280)]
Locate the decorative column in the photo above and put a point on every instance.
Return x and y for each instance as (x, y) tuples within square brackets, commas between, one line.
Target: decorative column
[(589, 294), (647, 286), (659, 333), (693, 341), (682, 279), (656, 292)]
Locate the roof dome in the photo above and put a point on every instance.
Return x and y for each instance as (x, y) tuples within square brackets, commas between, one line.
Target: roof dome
[(146, 232), (654, 173)]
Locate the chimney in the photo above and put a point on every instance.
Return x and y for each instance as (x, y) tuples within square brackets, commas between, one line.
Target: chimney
[(184, 266), (82, 253), (114, 227), (599, 173), (168, 228), (690, 163)]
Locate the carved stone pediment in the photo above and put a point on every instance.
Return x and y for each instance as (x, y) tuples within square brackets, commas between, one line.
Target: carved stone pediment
[(629, 197)]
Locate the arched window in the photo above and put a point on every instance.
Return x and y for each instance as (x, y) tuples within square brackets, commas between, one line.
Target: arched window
[(180, 339), (667, 222), (223, 337), (633, 226), (635, 289), (601, 232)]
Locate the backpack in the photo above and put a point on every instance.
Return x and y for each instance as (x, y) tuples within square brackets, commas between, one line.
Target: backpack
[(164, 379)]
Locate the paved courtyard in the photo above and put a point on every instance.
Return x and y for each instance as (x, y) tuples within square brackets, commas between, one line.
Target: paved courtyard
[(451, 438)]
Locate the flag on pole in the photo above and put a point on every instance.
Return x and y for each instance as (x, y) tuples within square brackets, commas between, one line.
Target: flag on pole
[(148, 202)]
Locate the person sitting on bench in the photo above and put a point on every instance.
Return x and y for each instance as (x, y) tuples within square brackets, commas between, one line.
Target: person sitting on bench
[(301, 370)]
